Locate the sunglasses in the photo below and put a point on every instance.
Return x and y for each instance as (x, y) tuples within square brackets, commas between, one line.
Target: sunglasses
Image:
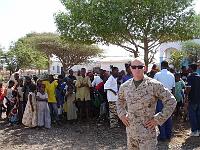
[(139, 67)]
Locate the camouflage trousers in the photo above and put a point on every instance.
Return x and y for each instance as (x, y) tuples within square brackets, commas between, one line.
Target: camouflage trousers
[(113, 115), (133, 144), (140, 142)]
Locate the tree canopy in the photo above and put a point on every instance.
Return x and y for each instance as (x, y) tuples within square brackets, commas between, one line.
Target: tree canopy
[(1, 58), (1, 51), (69, 53), (176, 59), (35, 49), (192, 50), (26, 56), (131, 24)]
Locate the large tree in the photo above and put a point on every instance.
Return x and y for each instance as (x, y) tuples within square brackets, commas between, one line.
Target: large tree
[(10, 62), (26, 56), (131, 24), (1, 57), (192, 49), (69, 53), (1, 51), (176, 59)]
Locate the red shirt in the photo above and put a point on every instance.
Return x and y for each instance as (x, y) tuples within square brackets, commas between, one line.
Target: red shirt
[(2, 93)]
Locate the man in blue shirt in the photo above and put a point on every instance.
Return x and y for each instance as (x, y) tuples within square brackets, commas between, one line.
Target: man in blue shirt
[(129, 73), (193, 100), (168, 80)]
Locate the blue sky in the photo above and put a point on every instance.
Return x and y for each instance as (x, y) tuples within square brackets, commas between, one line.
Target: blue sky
[(19, 17)]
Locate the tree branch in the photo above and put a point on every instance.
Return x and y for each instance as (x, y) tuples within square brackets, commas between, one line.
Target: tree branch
[(153, 46)]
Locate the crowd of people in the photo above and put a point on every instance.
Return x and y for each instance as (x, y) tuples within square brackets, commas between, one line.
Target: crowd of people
[(105, 95), (36, 102)]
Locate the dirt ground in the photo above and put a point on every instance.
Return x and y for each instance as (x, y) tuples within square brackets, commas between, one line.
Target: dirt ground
[(84, 136)]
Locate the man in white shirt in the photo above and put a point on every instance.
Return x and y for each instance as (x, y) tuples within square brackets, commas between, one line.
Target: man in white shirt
[(168, 80), (96, 81), (112, 90)]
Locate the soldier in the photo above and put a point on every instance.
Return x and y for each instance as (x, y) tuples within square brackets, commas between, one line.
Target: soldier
[(140, 95)]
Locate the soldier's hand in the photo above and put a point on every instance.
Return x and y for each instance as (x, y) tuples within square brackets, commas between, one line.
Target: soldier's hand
[(151, 124), (125, 120)]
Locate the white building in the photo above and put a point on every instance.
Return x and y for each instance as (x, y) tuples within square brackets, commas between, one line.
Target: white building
[(121, 57), (103, 63), (166, 48)]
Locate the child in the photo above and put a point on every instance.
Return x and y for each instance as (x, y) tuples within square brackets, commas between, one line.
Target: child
[(179, 86), (70, 99), (19, 88), (60, 95), (8, 96), (2, 94), (30, 113), (39, 84), (44, 118), (13, 115)]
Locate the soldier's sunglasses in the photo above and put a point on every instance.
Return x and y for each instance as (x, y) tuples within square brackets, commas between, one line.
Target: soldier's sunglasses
[(139, 67)]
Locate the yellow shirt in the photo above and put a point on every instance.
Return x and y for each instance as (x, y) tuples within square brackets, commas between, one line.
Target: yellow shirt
[(50, 89), (83, 88)]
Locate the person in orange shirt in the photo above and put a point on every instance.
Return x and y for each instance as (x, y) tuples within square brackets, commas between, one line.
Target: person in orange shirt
[(2, 94)]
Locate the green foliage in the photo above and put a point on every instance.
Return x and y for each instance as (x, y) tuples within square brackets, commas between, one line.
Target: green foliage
[(176, 59), (131, 24), (69, 53), (1, 52), (10, 61), (197, 30), (192, 49), (7, 60), (27, 56), (1, 58)]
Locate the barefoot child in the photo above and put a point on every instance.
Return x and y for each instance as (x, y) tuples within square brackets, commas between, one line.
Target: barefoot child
[(13, 115), (71, 108), (44, 119), (30, 113), (179, 86), (8, 96)]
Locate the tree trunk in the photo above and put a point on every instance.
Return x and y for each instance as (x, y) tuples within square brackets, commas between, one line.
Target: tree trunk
[(49, 60), (146, 52), (135, 54), (64, 69)]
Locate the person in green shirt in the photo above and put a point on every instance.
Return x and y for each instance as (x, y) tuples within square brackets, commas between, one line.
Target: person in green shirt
[(179, 86)]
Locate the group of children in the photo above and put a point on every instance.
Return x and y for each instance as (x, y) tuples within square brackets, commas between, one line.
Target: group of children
[(35, 111)]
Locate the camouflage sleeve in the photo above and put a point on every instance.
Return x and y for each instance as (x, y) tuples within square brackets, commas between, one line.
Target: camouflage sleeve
[(168, 100), (121, 103)]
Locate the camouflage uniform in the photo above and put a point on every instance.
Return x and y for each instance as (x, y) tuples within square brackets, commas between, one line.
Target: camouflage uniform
[(113, 115), (141, 104)]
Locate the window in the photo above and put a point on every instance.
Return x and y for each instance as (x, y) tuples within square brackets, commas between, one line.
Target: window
[(58, 69)]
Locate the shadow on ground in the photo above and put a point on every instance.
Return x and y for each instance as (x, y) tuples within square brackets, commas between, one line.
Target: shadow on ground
[(84, 136)]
